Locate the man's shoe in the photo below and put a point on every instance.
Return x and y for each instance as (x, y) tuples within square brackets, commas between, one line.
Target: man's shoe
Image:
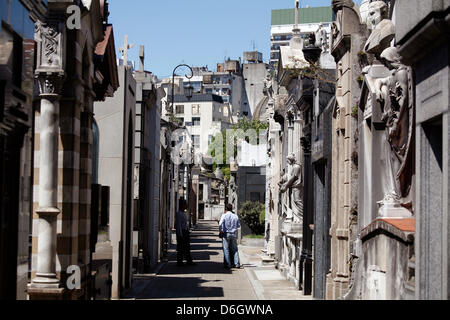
[(238, 267)]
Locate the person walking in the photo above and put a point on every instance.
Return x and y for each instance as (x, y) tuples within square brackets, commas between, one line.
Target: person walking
[(229, 225), (183, 237)]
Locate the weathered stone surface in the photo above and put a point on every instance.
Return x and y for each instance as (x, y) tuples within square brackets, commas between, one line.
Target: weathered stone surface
[(347, 43)]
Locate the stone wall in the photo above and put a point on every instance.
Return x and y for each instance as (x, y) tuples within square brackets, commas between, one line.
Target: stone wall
[(347, 42), (116, 120), (422, 41)]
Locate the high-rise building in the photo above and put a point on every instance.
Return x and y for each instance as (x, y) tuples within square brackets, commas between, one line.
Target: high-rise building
[(309, 21)]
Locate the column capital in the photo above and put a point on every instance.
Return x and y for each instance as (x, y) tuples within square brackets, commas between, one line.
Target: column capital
[(50, 83)]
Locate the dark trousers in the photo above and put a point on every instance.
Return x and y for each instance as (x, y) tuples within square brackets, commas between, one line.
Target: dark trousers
[(184, 247)]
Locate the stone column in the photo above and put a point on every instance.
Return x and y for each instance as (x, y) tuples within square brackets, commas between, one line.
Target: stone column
[(50, 39), (48, 182)]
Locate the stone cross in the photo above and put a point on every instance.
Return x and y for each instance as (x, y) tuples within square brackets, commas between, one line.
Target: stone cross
[(141, 58), (124, 50)]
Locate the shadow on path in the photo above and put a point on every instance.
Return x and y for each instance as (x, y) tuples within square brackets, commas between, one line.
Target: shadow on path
[(178, 282)]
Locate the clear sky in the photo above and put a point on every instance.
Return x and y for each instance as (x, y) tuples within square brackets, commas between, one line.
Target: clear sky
[(195, 32)]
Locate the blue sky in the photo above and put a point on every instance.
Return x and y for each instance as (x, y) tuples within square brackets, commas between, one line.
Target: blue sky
[(195, 32)]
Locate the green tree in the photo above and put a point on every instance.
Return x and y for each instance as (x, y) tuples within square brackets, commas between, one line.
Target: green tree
[(243, 125), (253, 215)]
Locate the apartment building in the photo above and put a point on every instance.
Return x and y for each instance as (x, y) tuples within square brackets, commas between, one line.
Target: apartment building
[(204, 116)]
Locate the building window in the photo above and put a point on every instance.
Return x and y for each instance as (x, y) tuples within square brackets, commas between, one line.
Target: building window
[(179, 109), (17, 61), (210, 139), (196, 141), (195, 109), (196, 121)]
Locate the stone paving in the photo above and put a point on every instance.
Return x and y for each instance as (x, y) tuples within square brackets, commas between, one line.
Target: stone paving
[(208, 280)]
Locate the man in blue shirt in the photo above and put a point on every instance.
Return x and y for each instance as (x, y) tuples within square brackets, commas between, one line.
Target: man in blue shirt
[(229, 225)]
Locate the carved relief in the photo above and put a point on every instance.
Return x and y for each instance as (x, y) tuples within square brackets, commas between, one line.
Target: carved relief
[(49, 39), (290, 112), (49, 84)]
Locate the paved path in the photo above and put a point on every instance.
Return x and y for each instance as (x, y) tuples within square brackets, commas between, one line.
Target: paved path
[(208, 280)]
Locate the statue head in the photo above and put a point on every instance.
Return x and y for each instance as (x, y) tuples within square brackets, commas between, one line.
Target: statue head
[(391, 58), (291, 159), (378, 11), (339, 4)]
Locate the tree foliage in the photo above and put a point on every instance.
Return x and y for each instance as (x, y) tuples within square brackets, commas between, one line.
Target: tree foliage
[(253, 214), (219, 160), (245, 124)]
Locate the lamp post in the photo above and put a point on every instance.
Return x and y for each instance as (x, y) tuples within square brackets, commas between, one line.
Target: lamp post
[(188, 90)]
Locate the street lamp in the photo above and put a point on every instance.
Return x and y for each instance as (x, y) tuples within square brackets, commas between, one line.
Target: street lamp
[(188, 88), (188, 91)]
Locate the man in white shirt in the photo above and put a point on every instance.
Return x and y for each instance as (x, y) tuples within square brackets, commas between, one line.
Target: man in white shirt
[(229, 225)]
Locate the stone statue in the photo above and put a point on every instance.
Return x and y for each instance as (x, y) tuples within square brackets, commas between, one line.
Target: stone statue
[(395, 96), (283, 179), (293, 181), (322, 38), (364, 10), (383, 30), (232, 196), (339, 6), (268, 87), (222, 190)]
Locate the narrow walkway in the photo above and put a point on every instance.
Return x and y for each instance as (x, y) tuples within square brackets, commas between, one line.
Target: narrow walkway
[(208, 280)]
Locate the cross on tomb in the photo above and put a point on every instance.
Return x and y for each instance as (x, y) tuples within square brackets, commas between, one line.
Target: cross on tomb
[(141, 58), (124, 50)]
